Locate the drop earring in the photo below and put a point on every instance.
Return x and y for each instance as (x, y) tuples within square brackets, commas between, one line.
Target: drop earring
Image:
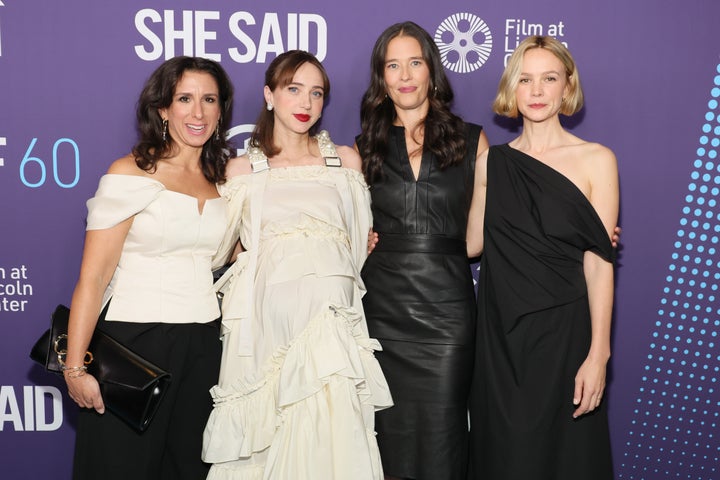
[(269, 107), (164, 130), (217, 129)]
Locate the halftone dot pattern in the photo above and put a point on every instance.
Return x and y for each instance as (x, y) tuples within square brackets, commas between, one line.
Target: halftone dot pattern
[(674, 429)]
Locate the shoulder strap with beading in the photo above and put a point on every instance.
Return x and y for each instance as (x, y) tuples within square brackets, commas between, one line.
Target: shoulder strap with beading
[(258, 160), (327, 149)]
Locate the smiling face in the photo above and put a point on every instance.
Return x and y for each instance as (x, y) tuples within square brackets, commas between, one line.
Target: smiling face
[(194, 112), (541, 86), (298, 105), (407, 75)]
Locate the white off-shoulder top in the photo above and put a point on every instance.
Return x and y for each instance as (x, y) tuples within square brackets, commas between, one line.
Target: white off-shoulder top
[(164, 273)]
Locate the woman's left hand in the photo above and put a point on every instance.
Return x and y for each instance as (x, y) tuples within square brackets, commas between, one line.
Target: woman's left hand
[(589, 386), (616, 236)]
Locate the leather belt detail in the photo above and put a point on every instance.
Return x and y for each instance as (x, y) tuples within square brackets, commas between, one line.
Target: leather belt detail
[(420, 243)]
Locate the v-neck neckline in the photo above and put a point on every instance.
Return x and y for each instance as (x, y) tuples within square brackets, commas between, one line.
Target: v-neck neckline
[(405, 155)]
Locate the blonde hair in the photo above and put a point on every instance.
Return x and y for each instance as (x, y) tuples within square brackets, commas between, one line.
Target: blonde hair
[(505, 102)]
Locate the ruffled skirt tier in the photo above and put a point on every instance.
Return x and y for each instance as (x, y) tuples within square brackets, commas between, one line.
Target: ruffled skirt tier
[(311, 416)]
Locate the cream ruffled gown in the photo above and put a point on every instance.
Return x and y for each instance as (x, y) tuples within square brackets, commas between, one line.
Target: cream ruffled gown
[(299, 384)]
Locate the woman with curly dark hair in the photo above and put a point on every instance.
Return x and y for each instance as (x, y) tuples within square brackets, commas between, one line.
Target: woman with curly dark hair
[(153, 227), (419, 159)]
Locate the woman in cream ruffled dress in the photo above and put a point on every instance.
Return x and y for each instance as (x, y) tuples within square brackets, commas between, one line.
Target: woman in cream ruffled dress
[(299, 383)]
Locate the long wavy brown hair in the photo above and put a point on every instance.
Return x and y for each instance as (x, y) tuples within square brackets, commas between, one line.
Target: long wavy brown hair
[(443, 130)]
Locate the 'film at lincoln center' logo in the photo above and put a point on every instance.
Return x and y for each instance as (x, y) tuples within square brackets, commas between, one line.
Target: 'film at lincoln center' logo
[(464, 41)]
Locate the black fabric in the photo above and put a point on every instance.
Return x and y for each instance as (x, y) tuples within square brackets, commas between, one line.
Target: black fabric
[(171, 446), (534, 327), (425, 434), (420, 304), (419, 243)]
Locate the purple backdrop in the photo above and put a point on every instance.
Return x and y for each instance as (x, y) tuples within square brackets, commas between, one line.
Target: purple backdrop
[(70, 73)]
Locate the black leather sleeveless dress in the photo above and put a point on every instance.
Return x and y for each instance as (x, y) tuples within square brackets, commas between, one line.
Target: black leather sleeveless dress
[(420, 305)]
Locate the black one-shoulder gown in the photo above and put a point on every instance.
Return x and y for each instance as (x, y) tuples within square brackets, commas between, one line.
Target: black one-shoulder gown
[(533, 330)]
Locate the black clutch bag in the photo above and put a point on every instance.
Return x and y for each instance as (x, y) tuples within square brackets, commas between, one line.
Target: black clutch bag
[(131, 386)]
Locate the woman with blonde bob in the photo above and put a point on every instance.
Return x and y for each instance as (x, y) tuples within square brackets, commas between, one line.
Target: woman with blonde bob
[(506, 103), (542, 216)]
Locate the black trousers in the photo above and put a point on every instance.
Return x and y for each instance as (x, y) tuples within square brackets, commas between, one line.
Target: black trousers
[(106, 448)]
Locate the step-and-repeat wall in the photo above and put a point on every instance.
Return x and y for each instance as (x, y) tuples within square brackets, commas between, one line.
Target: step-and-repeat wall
[(70, 74)]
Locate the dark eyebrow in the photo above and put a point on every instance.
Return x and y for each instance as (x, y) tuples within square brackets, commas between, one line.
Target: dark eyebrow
[(190, 94), (389, 60)]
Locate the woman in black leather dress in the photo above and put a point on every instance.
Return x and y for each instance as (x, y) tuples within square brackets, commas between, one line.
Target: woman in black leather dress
[(419, 160)]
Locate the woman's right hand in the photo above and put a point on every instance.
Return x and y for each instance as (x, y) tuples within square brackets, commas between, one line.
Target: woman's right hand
[(101, 254), (85, 391), (372, 240)]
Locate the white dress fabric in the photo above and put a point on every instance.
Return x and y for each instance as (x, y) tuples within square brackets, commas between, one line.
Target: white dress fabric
[(164, 272), (299, 384)]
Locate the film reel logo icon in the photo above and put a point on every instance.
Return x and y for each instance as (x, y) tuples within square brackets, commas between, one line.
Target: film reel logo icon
[(464, 41)]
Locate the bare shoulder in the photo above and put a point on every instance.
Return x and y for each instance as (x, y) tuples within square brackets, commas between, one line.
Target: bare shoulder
[(598, 156), (126, 166), (238, 166), (350, 157), (597, 150)]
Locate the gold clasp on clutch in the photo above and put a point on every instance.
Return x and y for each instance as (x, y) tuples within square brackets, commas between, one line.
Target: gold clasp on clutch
[(61, 352)]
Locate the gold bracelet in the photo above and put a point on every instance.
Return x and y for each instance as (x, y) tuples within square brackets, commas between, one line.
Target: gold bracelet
[(74, 372)]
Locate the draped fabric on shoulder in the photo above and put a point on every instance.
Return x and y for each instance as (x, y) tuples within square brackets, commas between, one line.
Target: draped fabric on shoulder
[(539, 235), (299, 383), (534, 328), (118, 198)]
